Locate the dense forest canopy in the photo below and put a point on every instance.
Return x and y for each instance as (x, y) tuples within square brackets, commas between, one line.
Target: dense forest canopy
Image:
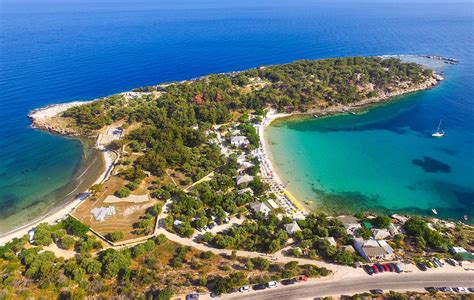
[(168, 114)]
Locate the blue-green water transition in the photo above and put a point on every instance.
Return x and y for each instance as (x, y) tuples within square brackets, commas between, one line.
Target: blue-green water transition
[(58, 51), (384, 160)]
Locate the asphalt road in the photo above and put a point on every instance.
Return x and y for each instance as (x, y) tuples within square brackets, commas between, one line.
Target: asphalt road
[(350, 286)]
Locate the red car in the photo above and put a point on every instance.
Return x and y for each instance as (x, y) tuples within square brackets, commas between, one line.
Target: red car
[(386, 268), (376, 270), (301, 278)]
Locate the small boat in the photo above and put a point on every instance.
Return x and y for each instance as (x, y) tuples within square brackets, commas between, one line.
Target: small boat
[(315, 116), (434, 211), (353, 113), (466, 218), (438, 133)]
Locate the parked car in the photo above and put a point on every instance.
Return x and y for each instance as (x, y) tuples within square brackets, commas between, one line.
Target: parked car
[(429, 264), (272, 284), (445, 289), (244, 289), (452, 262), (376, 291), (396, 268), (380, 267), (288, 281), (422, 266), (368, 269), (431, 289), (460, 289), (301, 278), (471, 289), (259, 287), (386, 268), (192, 296), (214, 295), (391, 267), (375, 269)]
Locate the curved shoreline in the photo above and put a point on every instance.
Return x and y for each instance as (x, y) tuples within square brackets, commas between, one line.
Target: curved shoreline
[(331, 111), (42, 117), (59, 211)]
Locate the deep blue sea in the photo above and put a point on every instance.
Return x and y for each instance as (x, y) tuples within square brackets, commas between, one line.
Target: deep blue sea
[(57, 51)]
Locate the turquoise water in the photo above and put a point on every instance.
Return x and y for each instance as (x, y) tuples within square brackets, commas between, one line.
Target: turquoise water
[(385, 159), (58, 51)]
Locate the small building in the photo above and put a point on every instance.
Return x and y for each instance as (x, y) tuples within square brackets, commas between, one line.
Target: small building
[(177, 223), (272, 204), (380, 234), (456, 250), (234, 132), (373, 250), (244, 179), (348, 248), (350, 223), (399, 218), (393, 229), (239, 141), (259, 207), (292, 228), (246, 190)]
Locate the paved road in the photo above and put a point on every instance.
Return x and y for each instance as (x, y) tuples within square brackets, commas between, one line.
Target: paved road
[(350, 286)]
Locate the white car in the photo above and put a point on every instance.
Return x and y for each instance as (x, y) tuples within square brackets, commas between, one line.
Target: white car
[(460, 289), (272, 284), (244, 289)]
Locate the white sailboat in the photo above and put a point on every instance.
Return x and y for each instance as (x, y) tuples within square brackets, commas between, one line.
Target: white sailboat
[(438, 133)]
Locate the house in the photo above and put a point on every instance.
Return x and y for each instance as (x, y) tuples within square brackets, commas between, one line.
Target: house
[(292, 228), (246, 190), (259, 207), (350, 223), (380, 234), (234, 132), (177, 223), (244, 179), (399, 218), (348, 248), (272, 204), (393, 229), (456, 250), (239, 140), (373, 250)]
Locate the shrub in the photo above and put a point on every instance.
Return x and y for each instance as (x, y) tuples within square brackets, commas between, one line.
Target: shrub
[(122, 193), (115, 236)]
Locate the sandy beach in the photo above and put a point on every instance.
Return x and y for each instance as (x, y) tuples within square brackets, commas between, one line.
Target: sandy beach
[(109, 158), (269, 173)]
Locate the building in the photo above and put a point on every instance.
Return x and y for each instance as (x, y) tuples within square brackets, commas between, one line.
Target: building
[(373, 250), (393, 229), (244, 179), (348, 248), (260, 207), (239, 141), (466, 255), (246, 190), (350, 223), (380, 234), (292, 228), (272, 204)]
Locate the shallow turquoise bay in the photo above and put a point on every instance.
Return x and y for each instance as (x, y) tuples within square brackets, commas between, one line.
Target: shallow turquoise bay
[(385, 159)]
